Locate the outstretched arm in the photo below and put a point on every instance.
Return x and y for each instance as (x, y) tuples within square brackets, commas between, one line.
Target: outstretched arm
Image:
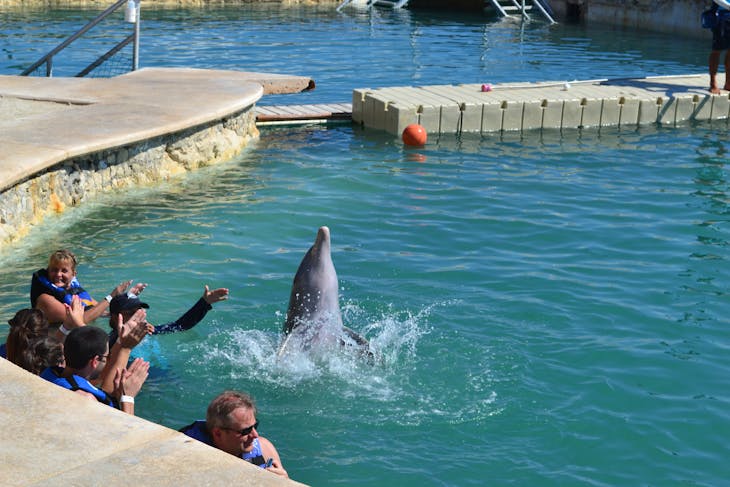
[(195, 314)]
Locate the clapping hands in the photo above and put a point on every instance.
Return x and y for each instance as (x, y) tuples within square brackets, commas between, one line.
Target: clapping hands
[(133, 331), (128, 382)]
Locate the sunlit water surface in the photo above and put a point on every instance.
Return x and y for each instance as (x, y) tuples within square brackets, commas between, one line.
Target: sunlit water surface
[(549, 309)]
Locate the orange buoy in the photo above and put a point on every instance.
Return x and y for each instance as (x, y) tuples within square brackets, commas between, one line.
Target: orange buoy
[(414, 134)]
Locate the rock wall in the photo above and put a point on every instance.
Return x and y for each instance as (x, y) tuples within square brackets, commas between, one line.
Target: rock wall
[(675, 16), (80, 179)]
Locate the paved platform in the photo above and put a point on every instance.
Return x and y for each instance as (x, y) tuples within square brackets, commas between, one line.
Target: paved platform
[(450, 109), (54, 437), (49, 120)]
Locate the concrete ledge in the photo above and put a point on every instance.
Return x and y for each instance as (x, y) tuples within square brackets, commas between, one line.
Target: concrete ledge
[(55, 437), (65, 140), (109, 112)]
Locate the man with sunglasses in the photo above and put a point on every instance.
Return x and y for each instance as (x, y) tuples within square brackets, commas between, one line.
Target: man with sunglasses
[(230, 425)]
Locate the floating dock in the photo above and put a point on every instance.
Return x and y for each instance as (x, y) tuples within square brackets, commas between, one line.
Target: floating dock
[(476, 108)]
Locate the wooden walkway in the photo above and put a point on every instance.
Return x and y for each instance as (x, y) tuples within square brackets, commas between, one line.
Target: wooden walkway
[(295, 114)]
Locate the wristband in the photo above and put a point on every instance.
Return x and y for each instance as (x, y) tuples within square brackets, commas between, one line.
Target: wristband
[(128, 399), (108, 298), (63, 330)]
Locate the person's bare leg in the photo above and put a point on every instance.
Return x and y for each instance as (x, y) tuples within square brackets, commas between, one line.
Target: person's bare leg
[(714, 63), (727, 71)]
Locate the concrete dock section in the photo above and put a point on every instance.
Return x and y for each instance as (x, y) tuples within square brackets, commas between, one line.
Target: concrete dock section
[(66, 140), (453, 109), (52, 436), (49, 120)]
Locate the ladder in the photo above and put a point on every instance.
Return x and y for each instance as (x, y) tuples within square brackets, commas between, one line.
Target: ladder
[(510, 8)]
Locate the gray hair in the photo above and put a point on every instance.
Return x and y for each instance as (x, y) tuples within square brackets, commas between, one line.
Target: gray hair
[(220, 408)]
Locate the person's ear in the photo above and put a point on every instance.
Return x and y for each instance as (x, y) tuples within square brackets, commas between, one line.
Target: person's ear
[(216, 434)]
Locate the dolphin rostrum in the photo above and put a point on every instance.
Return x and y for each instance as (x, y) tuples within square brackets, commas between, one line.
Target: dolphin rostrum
[(313, 317)]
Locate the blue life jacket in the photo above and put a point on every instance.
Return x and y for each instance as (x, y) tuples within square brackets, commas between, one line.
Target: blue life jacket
[(76, 383), (199, 431), (40, 284)]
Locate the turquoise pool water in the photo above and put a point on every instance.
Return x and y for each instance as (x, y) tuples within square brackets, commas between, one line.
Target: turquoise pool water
[(551, 308)]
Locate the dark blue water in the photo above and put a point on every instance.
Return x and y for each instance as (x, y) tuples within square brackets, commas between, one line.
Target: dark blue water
[(551, 308), (356, 49)]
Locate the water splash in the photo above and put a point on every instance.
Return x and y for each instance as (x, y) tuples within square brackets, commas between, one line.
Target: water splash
[(252, 353)]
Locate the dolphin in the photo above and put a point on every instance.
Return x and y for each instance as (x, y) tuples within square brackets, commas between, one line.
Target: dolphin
[(313, 317)]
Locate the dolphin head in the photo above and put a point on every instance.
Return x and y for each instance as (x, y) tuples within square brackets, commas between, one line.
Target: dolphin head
[(320, 251)]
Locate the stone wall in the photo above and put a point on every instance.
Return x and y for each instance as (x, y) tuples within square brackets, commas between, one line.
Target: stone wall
[(673, 16), (80, 179)]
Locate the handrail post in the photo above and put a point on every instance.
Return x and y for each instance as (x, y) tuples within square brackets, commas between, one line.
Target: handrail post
[(135, 50), (48, 58)]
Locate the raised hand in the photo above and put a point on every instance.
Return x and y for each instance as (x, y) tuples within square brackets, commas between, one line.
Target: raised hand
[(133, 331), (215, 295), (128, 382), (138, 288), (120, 289), (132, 378), (74, 314)]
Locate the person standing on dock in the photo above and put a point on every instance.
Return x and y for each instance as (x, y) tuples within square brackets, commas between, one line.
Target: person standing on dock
[(720, 42)]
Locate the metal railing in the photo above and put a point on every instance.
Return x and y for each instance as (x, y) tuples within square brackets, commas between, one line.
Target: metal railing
[(131, 14), (506, 7)]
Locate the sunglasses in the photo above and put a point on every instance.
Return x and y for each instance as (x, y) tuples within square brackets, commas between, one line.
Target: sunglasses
[(245, 431)]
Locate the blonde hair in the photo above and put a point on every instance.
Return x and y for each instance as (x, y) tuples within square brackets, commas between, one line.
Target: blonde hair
[(63, 255)]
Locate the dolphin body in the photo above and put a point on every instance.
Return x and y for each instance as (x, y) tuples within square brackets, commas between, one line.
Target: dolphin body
[(313, 318)]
